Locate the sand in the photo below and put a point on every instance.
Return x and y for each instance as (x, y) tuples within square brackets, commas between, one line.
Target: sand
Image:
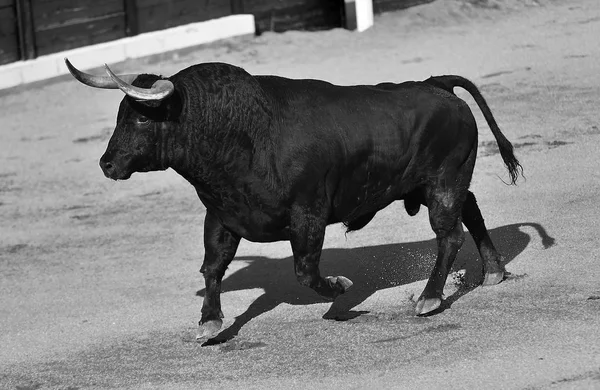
[(99, 279)]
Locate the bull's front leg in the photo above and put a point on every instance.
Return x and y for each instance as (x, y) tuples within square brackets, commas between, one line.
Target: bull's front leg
[(220, 246), (307, 232)]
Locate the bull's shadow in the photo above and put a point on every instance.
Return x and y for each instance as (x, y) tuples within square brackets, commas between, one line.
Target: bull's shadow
[(371, 269)]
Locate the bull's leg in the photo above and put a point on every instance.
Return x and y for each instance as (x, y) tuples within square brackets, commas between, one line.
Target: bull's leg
[(220, 246), (471, 216), (307, 231), (444, 215)]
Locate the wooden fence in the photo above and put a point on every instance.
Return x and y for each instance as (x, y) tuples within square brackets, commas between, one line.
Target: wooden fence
[(9, 37), (30, 28)]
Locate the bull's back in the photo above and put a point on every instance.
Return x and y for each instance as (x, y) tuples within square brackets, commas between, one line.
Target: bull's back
[(320, 124)]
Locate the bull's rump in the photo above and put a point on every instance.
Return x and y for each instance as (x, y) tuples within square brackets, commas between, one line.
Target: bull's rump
[(371, 145)]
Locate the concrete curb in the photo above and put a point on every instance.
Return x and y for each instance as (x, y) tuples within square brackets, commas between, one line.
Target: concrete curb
[(142, 45)]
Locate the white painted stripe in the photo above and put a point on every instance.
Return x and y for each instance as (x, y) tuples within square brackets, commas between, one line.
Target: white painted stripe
[(364, 14), (156, 42), (359, 14)]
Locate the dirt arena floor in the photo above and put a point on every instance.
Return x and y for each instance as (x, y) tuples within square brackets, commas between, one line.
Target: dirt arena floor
[(99, 279)]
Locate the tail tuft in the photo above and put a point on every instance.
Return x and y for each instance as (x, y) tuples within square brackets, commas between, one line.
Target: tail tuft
[(510, 161)]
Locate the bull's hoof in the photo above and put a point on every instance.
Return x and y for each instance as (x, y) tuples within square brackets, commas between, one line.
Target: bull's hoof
[(333, 287), (412, 210), (492, 278), (427, 305), (341, 281), (209, 329)]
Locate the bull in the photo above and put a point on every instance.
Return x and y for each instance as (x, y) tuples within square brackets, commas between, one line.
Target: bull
[(274, 159)]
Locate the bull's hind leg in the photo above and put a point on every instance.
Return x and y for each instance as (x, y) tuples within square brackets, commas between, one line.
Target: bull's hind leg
[(471, 216), (307, 232), (444, 216), (220, 246), (444, 198)]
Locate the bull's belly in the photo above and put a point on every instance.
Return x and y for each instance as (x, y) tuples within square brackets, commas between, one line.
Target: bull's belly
[(367, 192), (353, 206), (258, 226), (359, 192)]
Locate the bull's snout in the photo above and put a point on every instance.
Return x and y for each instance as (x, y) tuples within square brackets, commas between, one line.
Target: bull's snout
[(116, 166), (108, 168)]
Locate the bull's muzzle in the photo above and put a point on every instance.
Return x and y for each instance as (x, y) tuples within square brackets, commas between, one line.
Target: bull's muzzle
[(108, 168), (112, 171)]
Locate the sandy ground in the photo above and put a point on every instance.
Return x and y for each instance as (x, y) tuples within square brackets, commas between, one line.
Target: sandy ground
[(99, 280)]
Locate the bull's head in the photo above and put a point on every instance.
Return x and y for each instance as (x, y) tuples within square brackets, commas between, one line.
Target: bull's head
[(145, 116)]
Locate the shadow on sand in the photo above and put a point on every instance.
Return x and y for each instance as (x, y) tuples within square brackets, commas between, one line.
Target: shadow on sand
[(371, 269)]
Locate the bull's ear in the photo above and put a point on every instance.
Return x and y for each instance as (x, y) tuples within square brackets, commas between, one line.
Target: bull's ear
[(174, 106), (168, 109), (150, 103)]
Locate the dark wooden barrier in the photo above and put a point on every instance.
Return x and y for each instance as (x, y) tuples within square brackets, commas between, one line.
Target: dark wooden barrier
[(67, 24), (380, 6), (30, 28), (282, 15), (155, 15), (9, 37)]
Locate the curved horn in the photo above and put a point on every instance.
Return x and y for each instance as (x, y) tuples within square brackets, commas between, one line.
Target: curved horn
[(97, 81), (160, 90)]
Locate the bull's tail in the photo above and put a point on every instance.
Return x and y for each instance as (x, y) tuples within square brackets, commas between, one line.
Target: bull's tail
[(448, 83)]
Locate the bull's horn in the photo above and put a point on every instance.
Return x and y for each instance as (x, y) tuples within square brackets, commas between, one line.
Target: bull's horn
[(97, 81), (160, 90)]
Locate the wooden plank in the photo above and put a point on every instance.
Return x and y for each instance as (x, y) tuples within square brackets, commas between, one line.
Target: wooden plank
[(132, 26), (7, 13), (7, 58), (297, 14), (380, 6), (70, 36), (202, 4), (64, 9), (9, 49), (9, 43), (27, 49), (237, 7), (51, 14), (154, 16), (8, 22), (152, 3), (261, 6), (65, 24)]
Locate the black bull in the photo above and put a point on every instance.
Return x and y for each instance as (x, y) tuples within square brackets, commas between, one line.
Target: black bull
[(278, 159)]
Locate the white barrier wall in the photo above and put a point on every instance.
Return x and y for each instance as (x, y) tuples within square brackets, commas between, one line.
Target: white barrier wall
[(359, 14)]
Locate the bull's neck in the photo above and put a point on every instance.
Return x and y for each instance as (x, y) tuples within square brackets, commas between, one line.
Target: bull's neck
[(214, 166), (225, 119), (198, 156)]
